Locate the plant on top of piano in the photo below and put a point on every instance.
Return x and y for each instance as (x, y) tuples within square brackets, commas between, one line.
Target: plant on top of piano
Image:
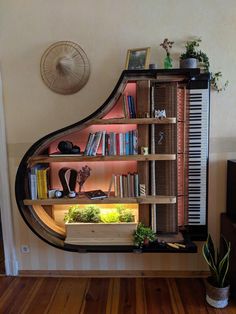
[(193, 52)]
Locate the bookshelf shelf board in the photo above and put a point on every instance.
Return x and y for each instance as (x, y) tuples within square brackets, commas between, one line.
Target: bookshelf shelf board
[(170, 120), (71, 158), (160, 199)]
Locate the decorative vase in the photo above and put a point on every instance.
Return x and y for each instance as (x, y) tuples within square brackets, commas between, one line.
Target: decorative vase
[(190, 63), (168, 62), (216, 297)]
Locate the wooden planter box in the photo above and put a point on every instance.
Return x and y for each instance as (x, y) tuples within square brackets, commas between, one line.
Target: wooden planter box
[(100, 233)]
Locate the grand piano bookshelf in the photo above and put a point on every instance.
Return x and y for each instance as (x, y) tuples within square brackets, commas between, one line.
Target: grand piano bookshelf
[(158, 170)]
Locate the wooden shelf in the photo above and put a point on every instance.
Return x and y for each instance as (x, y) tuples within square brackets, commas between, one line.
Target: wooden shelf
[(72, 158), (160, 199), (170, 120)]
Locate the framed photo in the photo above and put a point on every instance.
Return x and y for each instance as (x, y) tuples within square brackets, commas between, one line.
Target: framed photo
[(137, 59)]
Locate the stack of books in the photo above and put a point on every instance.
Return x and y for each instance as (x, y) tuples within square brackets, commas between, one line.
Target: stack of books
[(129, 106), (112, 143), (125, 185), (39, 182)]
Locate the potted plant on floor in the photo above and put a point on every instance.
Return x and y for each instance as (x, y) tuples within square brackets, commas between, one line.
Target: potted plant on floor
[(90, 225), (217, 285)]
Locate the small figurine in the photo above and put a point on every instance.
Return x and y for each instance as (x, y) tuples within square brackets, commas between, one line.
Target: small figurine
[(144, 150), (159, 114), (161, 138)]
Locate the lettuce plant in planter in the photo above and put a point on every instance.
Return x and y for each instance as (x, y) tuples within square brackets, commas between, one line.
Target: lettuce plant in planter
[(89, 225)]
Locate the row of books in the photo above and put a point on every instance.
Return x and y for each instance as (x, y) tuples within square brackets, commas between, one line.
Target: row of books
[(129, 106), (39, 182), (112, 143), (125, 185)]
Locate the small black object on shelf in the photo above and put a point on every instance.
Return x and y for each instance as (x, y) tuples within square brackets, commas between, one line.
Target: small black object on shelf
[(95, 194)]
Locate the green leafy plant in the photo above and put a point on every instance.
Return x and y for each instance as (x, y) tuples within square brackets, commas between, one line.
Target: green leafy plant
[(93, 213), (110, 217), (87, 214), (143, 235), (125, 214), (216, 82), (218, 263), (192, 51)]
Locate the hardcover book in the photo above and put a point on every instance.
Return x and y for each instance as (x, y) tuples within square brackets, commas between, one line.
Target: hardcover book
[(95, 194)]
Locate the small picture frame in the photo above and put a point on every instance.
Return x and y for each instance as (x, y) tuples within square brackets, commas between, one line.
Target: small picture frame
[(137, 59)]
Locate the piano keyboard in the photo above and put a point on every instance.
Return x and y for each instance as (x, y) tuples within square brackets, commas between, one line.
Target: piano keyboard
[(198, 108)]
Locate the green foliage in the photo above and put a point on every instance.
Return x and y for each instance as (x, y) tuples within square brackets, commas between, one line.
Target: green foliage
[(110, 217), (192, 51), (125, 214), (218, 263), (216, 82), (143, 234), (92, 213), (87, 214)]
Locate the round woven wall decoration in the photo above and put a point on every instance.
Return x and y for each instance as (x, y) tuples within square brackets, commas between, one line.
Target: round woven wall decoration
[(65, 67)]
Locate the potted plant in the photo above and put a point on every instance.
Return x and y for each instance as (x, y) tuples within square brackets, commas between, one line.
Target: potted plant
[(217, 285), (167, 45), (143, 236), (191, 56), (90, 225)]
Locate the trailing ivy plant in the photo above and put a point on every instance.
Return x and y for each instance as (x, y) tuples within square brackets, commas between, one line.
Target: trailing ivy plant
[(192, 51)]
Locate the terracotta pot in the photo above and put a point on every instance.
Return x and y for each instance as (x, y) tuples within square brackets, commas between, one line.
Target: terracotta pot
[(216, 297)]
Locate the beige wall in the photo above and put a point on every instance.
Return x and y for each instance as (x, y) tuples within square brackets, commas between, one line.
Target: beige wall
[(106, 29)]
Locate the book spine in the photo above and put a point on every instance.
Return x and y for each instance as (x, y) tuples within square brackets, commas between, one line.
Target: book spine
[(107, 144), (127, 143), (96, 143), (130, 143), (121, 149), (129, 106), (103, 143), (90, 144), (115, 186), (125, 106), (33, 186), (136, 185), (121, 186), (128, 185), (133, 107), (135, 142), (132, 185), (86, 147)]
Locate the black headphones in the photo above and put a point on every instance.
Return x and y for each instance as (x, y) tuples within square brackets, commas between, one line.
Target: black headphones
[(67, 147)]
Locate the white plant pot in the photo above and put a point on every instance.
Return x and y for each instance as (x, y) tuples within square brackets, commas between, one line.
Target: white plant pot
[(190, 63), (217, 297)]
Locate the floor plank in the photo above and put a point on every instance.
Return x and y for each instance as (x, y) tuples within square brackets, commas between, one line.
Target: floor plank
[(96, 296), (39, 295)]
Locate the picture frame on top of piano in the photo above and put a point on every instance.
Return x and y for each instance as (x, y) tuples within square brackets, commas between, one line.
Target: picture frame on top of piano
[(138, 59)]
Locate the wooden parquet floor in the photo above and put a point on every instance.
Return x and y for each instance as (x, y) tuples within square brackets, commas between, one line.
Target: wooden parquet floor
[(34, 295)]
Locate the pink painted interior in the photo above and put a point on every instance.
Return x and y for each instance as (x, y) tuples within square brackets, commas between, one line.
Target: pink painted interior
[(101, 172)]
